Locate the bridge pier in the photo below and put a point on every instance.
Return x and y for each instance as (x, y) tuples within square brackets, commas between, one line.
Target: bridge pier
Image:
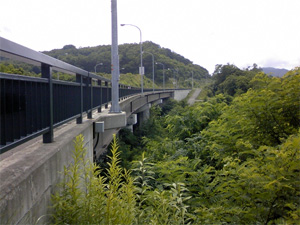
[(131, 120), (112, 122), (143, 114)]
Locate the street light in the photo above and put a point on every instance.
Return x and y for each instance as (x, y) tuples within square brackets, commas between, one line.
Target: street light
[(141, 70), (99, 64), (152, 68), (192, 79), (163, 74), (176, 83), (174, 70)]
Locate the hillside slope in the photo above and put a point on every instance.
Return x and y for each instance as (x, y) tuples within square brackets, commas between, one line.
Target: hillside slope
[(175, 65)]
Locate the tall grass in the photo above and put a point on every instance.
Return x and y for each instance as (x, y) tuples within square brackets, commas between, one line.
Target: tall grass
[(87, 197)]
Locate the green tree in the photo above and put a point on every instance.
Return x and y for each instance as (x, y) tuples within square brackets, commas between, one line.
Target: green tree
[(229, 79), (265, 115), (262, 189)]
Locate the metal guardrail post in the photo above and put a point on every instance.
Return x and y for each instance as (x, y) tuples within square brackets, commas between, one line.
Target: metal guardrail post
[(90, 86), (79, 80), (47, 73), (100, 84), (107, 93)]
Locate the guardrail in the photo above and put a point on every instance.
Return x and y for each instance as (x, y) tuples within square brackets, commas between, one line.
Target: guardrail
[(35, 106)]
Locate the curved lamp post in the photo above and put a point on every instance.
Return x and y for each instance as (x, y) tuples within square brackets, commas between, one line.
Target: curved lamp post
[(99, 64), (141, 70), (163, 74), (192, 79), (152, 68), (175, 71)]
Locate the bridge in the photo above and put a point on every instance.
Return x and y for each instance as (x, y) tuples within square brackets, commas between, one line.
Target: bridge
[(40, 117)]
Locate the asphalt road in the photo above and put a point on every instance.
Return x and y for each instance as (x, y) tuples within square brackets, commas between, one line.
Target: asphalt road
[(192, 99)]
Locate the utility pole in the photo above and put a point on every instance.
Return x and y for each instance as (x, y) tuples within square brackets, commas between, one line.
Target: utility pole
[(192, 79), (141, 69), (152, 69), (163, 74), (115, 68), (99, 64)]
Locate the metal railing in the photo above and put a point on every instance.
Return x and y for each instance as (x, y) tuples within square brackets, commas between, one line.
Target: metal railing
[(33, 106)]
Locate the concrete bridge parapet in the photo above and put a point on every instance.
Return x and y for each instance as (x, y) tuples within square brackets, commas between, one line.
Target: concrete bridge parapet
[(30, 172)]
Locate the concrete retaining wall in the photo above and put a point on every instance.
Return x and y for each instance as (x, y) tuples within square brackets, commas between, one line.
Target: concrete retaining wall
[(181, 94), (29, 174)]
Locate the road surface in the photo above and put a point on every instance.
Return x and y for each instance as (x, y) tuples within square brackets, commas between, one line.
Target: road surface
[(192, 99)]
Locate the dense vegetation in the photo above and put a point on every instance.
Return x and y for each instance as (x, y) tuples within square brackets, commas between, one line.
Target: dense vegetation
[(233, 158), (25, 69)]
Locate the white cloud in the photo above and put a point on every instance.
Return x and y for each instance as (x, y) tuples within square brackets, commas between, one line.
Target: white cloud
[(278, 63), (210, 32)]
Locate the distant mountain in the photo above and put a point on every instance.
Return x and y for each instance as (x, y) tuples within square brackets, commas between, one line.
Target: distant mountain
[(274, 71)]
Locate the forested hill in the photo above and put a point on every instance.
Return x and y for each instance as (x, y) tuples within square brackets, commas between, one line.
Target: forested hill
[(129, 54), (274, 71)]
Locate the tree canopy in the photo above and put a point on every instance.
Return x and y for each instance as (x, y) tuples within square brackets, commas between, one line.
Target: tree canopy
[(229, 79)]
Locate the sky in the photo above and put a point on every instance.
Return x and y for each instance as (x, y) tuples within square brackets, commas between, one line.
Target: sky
[(207, 32)]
